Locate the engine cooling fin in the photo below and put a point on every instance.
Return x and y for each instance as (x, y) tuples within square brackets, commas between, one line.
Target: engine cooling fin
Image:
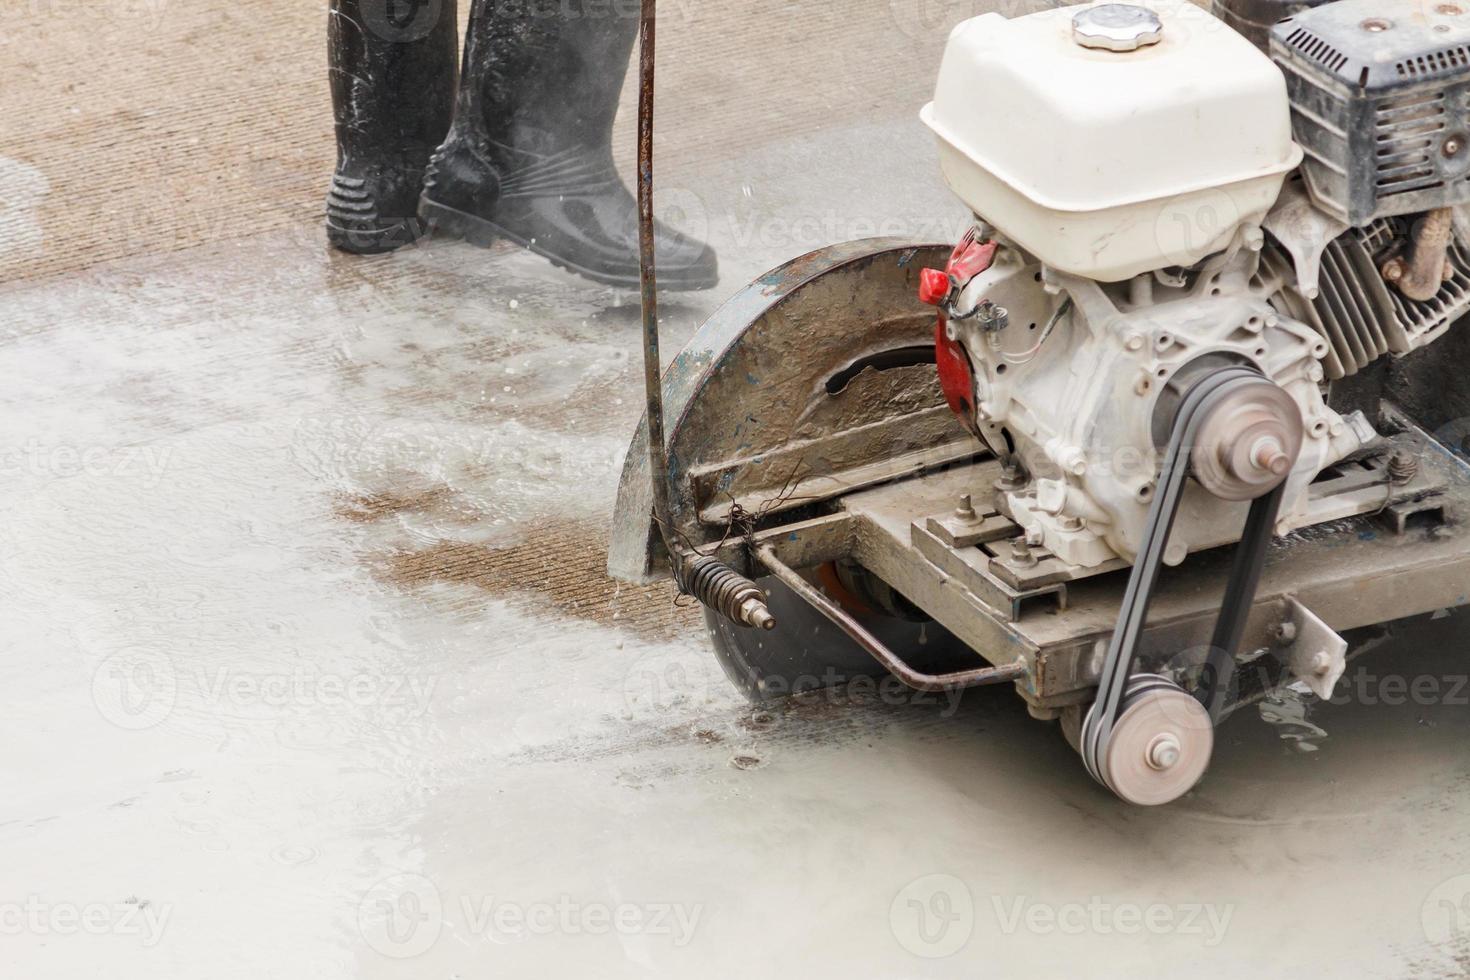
[(1355, 311)]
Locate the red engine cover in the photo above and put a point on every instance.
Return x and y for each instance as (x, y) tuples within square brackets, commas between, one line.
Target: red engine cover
[(969, 258)]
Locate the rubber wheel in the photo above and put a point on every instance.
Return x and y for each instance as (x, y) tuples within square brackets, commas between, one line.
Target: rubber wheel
[(806, 652)]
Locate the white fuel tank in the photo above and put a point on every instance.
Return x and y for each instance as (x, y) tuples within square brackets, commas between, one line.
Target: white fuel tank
[(1112, 139)]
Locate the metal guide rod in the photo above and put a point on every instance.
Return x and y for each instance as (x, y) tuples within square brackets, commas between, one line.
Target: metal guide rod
[(710, 581), (648, 282)]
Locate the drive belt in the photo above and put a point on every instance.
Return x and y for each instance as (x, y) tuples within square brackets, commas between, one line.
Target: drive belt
[(1247, 564)]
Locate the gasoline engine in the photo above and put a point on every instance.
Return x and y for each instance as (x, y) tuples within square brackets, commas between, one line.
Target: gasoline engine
[(1148, 218), (1194, 232)]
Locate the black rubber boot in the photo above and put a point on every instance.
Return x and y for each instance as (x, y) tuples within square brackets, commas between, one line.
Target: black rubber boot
[(393, 66), (529, 156)]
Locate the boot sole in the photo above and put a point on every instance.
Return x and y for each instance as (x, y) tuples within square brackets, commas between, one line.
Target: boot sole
[(354, 225), (372, 239), (478, 231)]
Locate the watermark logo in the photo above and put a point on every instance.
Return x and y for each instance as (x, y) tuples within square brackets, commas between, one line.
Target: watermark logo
[(933, 916), (1445, 914), (135, 688), (1190, 226), (401, 20), (684, 211), (401, 916), (661, 680)]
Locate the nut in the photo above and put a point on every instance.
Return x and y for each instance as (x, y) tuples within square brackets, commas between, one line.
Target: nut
[(1163, 751), (1021, 554)]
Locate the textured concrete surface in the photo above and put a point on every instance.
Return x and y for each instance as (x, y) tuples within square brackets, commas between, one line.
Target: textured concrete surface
[(145, 126), (311, 670)]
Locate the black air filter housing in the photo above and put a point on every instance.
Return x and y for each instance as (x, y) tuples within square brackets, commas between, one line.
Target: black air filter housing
[(1380, 96)]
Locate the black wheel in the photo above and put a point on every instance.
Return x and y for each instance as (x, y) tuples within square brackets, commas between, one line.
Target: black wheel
[(806, 652)]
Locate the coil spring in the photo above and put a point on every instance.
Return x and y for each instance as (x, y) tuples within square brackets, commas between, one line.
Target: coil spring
[(720, 587)]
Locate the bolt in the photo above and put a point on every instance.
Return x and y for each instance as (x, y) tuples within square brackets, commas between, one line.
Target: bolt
[(1270, 456), (1393, 270), (1021, 554), (1012, 476), (1453, 146), (1403, 467), (966, 510), (1163, 752), (1321, 663), (755, 614), (991, 318), (1284, 633)]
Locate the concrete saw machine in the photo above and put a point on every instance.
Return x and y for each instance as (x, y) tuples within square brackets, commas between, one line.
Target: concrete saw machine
[(1183, 414)]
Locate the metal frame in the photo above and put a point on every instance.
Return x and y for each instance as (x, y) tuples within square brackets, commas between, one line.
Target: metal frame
[(892, 662), (1351, 574)]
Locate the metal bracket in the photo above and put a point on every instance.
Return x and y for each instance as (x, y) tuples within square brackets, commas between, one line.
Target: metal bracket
[(1312, 650), (1305, 231)]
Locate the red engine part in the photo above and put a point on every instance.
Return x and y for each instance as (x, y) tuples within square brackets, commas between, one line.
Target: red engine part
[(969, 258)]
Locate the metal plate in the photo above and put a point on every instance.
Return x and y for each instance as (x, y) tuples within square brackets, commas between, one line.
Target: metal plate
[(796, 390)]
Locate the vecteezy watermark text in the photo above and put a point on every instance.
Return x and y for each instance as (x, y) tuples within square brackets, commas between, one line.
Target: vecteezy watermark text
[(138, 688), (1101, 917), (402, 916), (36, 458), (935, 916), (36, 917)]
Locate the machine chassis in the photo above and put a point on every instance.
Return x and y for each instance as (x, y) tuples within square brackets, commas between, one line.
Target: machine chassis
[(807, 428)]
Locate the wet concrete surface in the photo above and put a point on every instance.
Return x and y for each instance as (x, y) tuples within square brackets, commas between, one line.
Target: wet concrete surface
[(311, 671)]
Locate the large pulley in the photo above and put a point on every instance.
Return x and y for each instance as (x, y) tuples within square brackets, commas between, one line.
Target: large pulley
[(1145, 738)]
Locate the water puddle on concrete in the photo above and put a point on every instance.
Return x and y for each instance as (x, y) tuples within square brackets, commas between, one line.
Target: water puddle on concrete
[(334, 681), (1288, 710)]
